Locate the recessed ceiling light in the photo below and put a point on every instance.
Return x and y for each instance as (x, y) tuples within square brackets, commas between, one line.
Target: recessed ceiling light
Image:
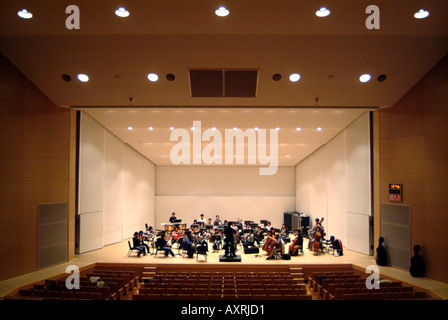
[(171, 128), (421, 14), (298, 128), (294, 77), (122, 12), (170, 77), (235, 128), (222, 12), (129, 128), (277, 77), (83, 77), (277, 128), (25, 14), (322, 12), (153, 77), (365, 77), (287, 156), (192, 128), (214, 128), (150, 128), (319, 129), (66, 77), (256, 128)]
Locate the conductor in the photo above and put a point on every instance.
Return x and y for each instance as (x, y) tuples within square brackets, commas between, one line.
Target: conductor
[(229, 240)]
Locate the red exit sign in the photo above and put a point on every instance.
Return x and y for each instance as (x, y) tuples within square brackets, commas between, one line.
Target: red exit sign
[(395, 192)]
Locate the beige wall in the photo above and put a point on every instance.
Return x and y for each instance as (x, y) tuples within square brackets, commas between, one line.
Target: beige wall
[(231, 192), (34, 166), (413, 150)]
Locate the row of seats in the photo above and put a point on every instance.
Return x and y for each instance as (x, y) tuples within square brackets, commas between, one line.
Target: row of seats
[(350, 286), (217, 296), (115, 285)]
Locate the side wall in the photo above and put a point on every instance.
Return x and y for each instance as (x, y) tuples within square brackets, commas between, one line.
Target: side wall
[(35, 167), (413, 144)]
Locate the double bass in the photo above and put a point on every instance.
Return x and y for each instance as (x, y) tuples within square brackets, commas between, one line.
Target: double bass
[(317, 237)]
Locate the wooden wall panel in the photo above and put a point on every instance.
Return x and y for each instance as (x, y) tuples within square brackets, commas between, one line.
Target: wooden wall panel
[(414, 151), (34, 166)]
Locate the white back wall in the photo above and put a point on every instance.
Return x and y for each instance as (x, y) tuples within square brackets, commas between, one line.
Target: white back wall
[(116, 188), (334, 183), (231, 192)]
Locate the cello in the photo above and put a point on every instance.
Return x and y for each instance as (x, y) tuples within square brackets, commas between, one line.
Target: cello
[(293, 244), (269, 238)]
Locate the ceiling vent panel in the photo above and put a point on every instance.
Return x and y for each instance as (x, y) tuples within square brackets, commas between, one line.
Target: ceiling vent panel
[(223, 83)]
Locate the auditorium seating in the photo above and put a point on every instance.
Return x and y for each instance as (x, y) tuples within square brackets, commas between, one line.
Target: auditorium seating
[(347, 285), (263, 285), (118, 285)]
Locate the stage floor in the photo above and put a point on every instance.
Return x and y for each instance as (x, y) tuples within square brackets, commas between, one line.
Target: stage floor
[(117, 253)]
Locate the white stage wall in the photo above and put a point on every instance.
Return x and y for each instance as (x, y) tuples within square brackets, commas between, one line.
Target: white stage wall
[(334, 183), (231, 192), (116, 188)]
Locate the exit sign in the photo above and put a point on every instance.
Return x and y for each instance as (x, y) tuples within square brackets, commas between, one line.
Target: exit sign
[(395, 192)]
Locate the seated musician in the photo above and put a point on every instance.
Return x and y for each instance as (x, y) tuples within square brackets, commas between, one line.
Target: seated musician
[(189, 245), (259, 235), (137, 244), (218, 221), (278, 246), (202, 238), (143, 237), (176, 234), (297, 243), (216, 239), (209, 222), (164, 245), (249, 239), (201, 221), (173, 217)]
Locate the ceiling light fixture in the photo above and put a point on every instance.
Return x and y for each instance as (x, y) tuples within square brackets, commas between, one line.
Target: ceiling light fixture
[(122, 12), (25, 14), (222, 12), (322, 12), (129, 128), (277, 128), (298, 128), (319, 129), (256, 128), (150, 128), (83, 77), (364, 78), (171, 128), (214, 128), (421, 14), (294, 77), (153, 77)]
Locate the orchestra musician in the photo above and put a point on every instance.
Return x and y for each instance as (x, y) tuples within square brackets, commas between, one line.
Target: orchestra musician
[(276, 245), (202, 238), (249, 239), (142, 237), (175, 235), (137, 244), (269, 239), (312, 232), (201, 220), (162, 243), (173, 217), (296, 244), (216, 239), (189, 245), (259, 235)]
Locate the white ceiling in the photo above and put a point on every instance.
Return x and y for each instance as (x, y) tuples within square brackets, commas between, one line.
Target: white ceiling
[(275, 36)]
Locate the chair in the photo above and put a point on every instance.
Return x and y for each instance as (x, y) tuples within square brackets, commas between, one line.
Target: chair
[(329, 243), (158, 248), (131, 248), (201, 250)]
